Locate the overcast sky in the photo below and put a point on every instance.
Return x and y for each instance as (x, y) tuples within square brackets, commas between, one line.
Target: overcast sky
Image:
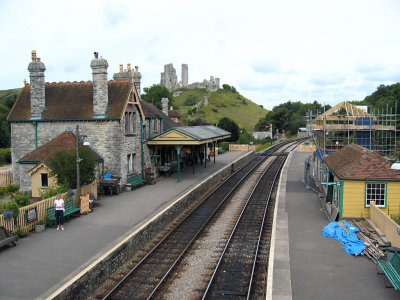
[(271, 51)]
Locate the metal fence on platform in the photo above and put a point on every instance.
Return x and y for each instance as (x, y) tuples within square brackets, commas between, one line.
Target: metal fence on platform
[(312, 173)]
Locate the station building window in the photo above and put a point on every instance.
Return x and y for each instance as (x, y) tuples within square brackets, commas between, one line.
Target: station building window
[(375, 192)]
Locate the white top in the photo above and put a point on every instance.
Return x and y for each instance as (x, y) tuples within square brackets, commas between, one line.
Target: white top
[(58, 204)]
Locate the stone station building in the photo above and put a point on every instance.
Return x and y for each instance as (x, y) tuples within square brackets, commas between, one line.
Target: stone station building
[(109, 113)]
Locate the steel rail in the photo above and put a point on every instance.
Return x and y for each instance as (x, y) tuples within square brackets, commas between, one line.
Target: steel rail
[(265, 152), (228, 242)]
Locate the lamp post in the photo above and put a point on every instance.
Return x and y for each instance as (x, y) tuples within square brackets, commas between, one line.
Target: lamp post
[(78, 160)]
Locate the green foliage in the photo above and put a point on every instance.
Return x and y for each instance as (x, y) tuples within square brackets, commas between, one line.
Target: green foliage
[(224, 145), (191, 100), (7, 99), (229, 88), (21, 199), (244, 137), (231, 126), (155, 93), (288, 116), (21, 233), (12, 188), (63, 166), (53, 190), (396, 218), (5, 156), (14, 207), (226, 103)]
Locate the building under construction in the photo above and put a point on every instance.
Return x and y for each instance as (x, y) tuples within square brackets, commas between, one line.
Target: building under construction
[(346, 124)]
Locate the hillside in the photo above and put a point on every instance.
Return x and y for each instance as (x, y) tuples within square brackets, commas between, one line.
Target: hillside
[(222, 103), (9, 94)]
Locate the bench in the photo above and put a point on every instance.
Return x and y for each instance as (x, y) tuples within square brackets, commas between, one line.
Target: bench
[(136, 180), (391, 269), (6, 238), (69, 210)]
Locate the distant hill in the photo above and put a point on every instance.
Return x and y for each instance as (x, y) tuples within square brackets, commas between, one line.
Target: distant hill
[(9, 94), (222, 103)]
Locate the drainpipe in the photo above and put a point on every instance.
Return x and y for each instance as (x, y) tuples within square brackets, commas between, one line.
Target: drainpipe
[(141, 140), (149, 128), (178, 150), (36, 144)]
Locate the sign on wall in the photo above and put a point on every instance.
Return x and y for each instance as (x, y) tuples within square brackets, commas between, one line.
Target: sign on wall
[(31, 215)]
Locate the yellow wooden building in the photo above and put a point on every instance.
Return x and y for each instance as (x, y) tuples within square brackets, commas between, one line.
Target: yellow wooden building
[(41, 179), (356, 176)]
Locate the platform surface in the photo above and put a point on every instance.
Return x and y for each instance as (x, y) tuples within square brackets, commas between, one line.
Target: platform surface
[(43, 262)]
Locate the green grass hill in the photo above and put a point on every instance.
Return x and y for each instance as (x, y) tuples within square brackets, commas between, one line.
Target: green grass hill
[(9, 94), (222, 103)]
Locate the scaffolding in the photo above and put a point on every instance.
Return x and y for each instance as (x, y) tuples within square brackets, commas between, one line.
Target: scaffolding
[(346, 123)]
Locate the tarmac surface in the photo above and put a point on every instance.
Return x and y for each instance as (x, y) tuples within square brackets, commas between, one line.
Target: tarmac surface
[(307, 265), (303, 263), (43, 262)]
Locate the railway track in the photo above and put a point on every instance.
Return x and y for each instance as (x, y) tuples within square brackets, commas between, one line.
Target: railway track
[(145, 278), (235, 270)]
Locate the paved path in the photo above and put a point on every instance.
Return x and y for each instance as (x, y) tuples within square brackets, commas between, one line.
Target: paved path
[(42, 262), (306, 264)]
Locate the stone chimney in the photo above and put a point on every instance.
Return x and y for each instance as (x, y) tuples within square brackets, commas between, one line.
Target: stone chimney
[(136, 79), (100, 87), (36, 69), (164, 102)]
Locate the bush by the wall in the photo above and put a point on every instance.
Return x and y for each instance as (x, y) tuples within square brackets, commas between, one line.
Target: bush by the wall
[(5, 156)]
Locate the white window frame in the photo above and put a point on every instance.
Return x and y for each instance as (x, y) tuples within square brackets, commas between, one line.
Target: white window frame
[(376, 191)]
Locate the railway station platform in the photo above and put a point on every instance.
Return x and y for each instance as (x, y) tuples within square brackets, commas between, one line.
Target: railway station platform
[(305, 264), (45, 262)]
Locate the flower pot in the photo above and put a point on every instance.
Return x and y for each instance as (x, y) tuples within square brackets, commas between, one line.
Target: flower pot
[(39, 228)]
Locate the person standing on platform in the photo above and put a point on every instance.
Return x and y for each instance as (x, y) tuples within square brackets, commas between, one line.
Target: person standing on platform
[(59, 212)]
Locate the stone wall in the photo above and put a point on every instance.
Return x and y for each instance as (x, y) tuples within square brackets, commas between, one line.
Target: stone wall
[(88, 282), (108, 138)]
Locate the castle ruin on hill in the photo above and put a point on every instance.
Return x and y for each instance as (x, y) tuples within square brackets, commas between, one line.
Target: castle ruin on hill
[(170, 80)]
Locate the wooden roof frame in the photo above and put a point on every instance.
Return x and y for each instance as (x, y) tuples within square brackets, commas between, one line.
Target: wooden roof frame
[(133, 95)]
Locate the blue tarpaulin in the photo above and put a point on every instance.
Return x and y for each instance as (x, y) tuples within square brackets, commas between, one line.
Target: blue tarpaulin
[(108, 175), (349, 240)]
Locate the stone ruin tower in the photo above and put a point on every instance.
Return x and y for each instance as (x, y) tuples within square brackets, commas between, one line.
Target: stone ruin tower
[(168, 77), (185, 75)]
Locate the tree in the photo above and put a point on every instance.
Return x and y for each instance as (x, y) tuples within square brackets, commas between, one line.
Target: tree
[(63, 166), (198, 122), (155, 93), (231, 126)]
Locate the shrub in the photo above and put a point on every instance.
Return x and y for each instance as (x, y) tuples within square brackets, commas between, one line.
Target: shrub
[(191, 100), (214, 110), (224, 145), (5, 156), (396, 218), (53, 190), (12, 206), (21, 199), (12, 188)]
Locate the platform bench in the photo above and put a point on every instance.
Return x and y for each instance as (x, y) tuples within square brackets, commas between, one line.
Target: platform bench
[(69, 210), (7, 238), (391, 269), (136, 180)]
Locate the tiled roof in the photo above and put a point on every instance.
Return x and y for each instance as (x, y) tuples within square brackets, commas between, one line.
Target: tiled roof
[(174, 113), (74, 100), (151, 110), (65, 141), (356, 162)]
